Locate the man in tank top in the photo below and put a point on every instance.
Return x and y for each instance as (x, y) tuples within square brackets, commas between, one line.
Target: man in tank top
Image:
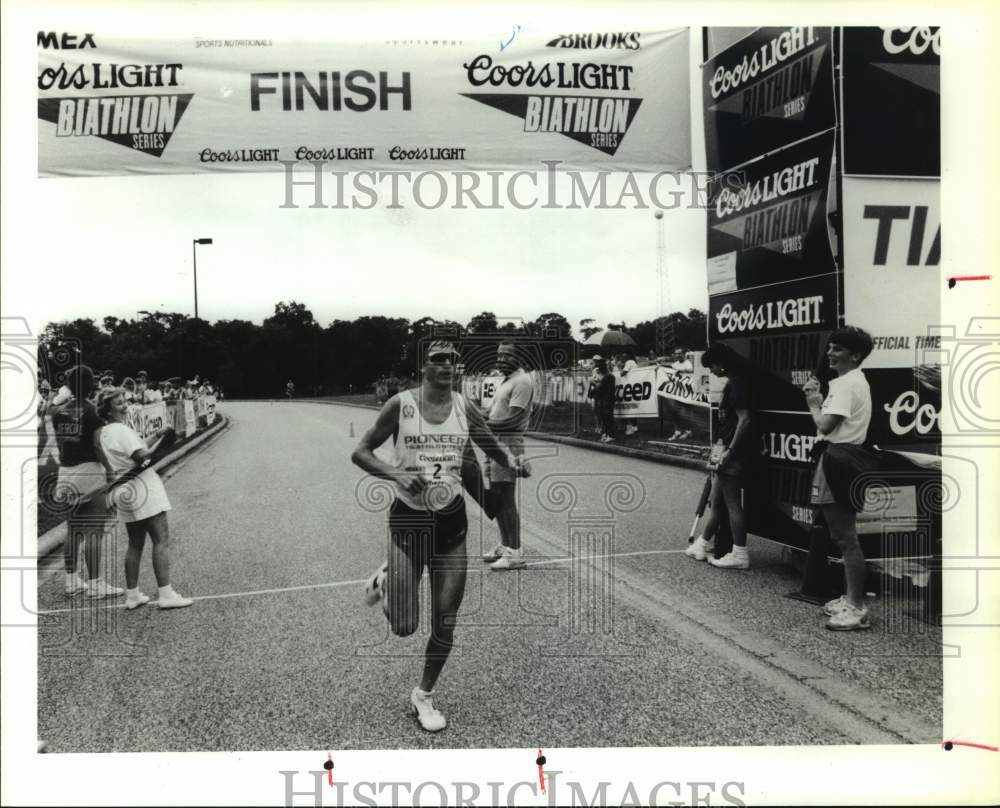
[(430, 426)]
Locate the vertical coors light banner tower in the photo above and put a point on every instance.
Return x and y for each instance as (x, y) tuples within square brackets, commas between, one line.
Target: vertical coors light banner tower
[(823, 209), (890, 147)]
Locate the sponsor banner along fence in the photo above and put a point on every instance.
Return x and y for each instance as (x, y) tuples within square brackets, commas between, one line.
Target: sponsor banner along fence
[(688, 388), (636, 394), (767, 90), (184, 421), (615, 100), (147, 418), (204, 410), (892, 101), (767, 221), (181, 415)]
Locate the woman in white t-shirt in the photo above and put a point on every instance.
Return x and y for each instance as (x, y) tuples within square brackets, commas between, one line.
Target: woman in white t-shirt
[(843, 417), (142, 501)]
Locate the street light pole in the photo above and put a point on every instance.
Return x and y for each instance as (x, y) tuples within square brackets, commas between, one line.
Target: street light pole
[(194, 256)]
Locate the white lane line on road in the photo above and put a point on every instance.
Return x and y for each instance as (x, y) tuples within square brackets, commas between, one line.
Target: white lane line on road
[(602, 555), (337, 584), (278, 591)]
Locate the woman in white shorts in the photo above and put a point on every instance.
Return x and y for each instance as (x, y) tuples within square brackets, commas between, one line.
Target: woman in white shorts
[(142, 501)]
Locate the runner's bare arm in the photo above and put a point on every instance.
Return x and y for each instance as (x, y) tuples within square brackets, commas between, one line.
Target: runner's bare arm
[(482, 434), (364, 457)]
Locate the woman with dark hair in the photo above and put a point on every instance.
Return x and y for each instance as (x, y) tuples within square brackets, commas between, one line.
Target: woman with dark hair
[(142, 501), (732, 456), (83, 471), (841, 419)]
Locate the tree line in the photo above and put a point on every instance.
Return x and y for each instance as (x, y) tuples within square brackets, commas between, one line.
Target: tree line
[(256, 361)]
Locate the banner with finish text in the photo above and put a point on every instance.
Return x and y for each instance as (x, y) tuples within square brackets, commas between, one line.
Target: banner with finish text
[(614, 100)]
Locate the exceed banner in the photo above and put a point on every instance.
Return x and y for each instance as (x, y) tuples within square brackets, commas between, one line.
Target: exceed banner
[(635, 394), (613, 100)]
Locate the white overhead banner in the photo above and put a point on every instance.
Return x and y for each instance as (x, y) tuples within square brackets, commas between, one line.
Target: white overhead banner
[(609, 100)]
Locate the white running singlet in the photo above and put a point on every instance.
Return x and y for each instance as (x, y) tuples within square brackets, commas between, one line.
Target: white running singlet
[(432, 450)]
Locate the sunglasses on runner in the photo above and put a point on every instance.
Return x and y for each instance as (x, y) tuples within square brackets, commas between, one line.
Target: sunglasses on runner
[(442, 358)]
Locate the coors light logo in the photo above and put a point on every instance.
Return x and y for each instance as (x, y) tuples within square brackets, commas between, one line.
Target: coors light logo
[(143, 122), (596, 121)]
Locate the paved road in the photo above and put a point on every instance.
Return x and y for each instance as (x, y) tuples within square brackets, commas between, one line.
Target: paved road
[(611, 637)]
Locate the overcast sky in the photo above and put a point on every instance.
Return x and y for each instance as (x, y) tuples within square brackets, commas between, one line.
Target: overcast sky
[(130, 241)]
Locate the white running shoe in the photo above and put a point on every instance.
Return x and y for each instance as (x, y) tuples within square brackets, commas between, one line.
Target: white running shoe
[(700, 549), (174, 600), (831, 607), (430, 719), (732, 560), (134, 603), (849, 618), (75, 585), (493, 555), (510, 560), (99, 588), (375, 588)]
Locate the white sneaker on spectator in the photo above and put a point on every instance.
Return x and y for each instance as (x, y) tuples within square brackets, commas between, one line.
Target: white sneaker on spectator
[(736, 559), (99, 588), (135, 601), (510, 560), (75, 585), (430, 719), (700, 549), (493, 555), (169, 599), (849, 618), (831, 607)]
